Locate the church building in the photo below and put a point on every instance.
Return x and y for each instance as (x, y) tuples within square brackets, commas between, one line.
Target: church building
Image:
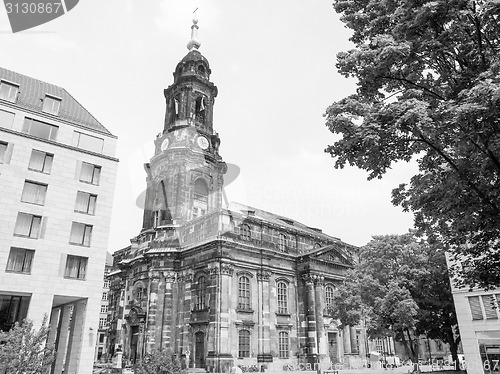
[(218, 283)]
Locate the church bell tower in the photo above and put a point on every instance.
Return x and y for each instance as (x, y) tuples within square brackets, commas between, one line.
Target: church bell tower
[(185, 175)]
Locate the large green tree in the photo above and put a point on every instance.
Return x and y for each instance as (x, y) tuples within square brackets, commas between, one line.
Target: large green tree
[(428, 74), (400, 288)]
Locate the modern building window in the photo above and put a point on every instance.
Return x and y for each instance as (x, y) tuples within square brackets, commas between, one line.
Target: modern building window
[(244, 292), (244, 343), (6, 119), (245, 233), (490, 309), (283, 243), (201, 293), (80, 234), (106, 283), (41, 161), (102, 323), (51, 105), (475, 308), (40, 129), (200, 198), (104, 308), (20, 260), (329, 295), (282, 289), (90, 173), (3, 151), (34, 193), (105, 296), (8, 91), (283, 345), (28, 225), (12, 309), (76, 267), (88, 142), (85, 202)]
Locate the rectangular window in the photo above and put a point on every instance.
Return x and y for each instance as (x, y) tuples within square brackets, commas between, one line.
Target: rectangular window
[(104, 308), (51, 105), (8, 91), (34, 193), (76, 267), (20, 260), (3, 151), (102, 323), (489, 306), (80, 234), (40, 129), (90, 173), (41, 161), (85, 202), (6, 119), (87, 142), (244, 343), (105, 296), (28, 225), (283, 345), (12, 309), (475, 308)]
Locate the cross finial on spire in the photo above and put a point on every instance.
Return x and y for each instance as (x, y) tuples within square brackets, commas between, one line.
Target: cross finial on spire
[(194, 42)]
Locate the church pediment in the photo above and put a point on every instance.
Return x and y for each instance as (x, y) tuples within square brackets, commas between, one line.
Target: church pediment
[(332, 254)]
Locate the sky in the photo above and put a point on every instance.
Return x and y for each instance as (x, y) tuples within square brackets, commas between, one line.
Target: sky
[(274, 65)]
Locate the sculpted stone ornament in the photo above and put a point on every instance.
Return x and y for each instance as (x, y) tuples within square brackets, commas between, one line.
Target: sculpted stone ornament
[(170, 276), (154, 275), (263, 275)]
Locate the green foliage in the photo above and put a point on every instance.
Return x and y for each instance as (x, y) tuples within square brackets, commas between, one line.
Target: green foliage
[(24, 350), (399, 288), (428, 76), (159, 362)]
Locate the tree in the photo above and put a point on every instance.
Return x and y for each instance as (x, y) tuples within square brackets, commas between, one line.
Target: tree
[(159, 362), (400, 288), (24, 350), (428, 76)]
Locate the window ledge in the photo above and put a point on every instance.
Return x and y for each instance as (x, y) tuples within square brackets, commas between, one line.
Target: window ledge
[(25, 236), (200, 310), (80, 245), (283, 314), (249, 311), (73, 278), (18, 272)]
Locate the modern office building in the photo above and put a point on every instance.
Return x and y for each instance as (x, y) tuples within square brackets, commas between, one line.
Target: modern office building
[(222, 284), (57, 176)]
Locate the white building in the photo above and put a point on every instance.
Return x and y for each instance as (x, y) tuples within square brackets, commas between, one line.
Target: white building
[(57, 175)]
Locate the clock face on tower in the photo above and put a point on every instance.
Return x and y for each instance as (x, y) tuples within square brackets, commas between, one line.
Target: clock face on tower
[(203, 142), (164, 145)]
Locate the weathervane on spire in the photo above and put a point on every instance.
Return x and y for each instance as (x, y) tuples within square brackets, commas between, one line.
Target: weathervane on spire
[(194, 42)]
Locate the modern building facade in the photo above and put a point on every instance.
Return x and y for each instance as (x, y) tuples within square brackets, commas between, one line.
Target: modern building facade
[(101, 353), (57, 175), (221, 284)]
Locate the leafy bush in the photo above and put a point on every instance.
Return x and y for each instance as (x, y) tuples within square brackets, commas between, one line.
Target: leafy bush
[(158, 362)]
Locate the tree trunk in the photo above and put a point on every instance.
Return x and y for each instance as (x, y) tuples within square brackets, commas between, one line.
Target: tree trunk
[(453, 342)]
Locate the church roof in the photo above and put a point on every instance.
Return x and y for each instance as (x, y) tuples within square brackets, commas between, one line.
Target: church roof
[(277, 219), (32, 92)]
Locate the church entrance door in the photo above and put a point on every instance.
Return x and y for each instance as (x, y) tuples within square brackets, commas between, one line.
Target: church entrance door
[(332, 347), (133, 343), (199, 350)]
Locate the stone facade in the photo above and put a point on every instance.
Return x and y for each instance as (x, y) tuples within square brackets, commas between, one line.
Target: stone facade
[(221, 284)]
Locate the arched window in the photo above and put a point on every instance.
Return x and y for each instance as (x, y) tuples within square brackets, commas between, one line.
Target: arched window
[(200, 198), (282, 289), (283, 243), (244, 292), (201, 293), (199, 109), (201, 70), (329, 293), (283, 345), (244, 343), (245, 232), (139, 293)]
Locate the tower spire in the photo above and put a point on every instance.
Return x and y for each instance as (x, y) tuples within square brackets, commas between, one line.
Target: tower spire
[(194, 42)]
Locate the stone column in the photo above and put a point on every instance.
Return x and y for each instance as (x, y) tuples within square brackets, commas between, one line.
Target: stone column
[(264, 317), (53, 325), (75, 337), (170, 312), (184, 298), (320, 328), (154, 279), (354, 347), (346, 333), (62, 338), (311, 338)]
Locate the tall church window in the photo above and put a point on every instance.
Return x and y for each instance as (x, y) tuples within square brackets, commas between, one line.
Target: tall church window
[(244, 343), (199, 109), (283, 243), (201, 293), (245, 232), (282, 289), (244, 292), (283, 345), (329, 294), (200, 198)]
